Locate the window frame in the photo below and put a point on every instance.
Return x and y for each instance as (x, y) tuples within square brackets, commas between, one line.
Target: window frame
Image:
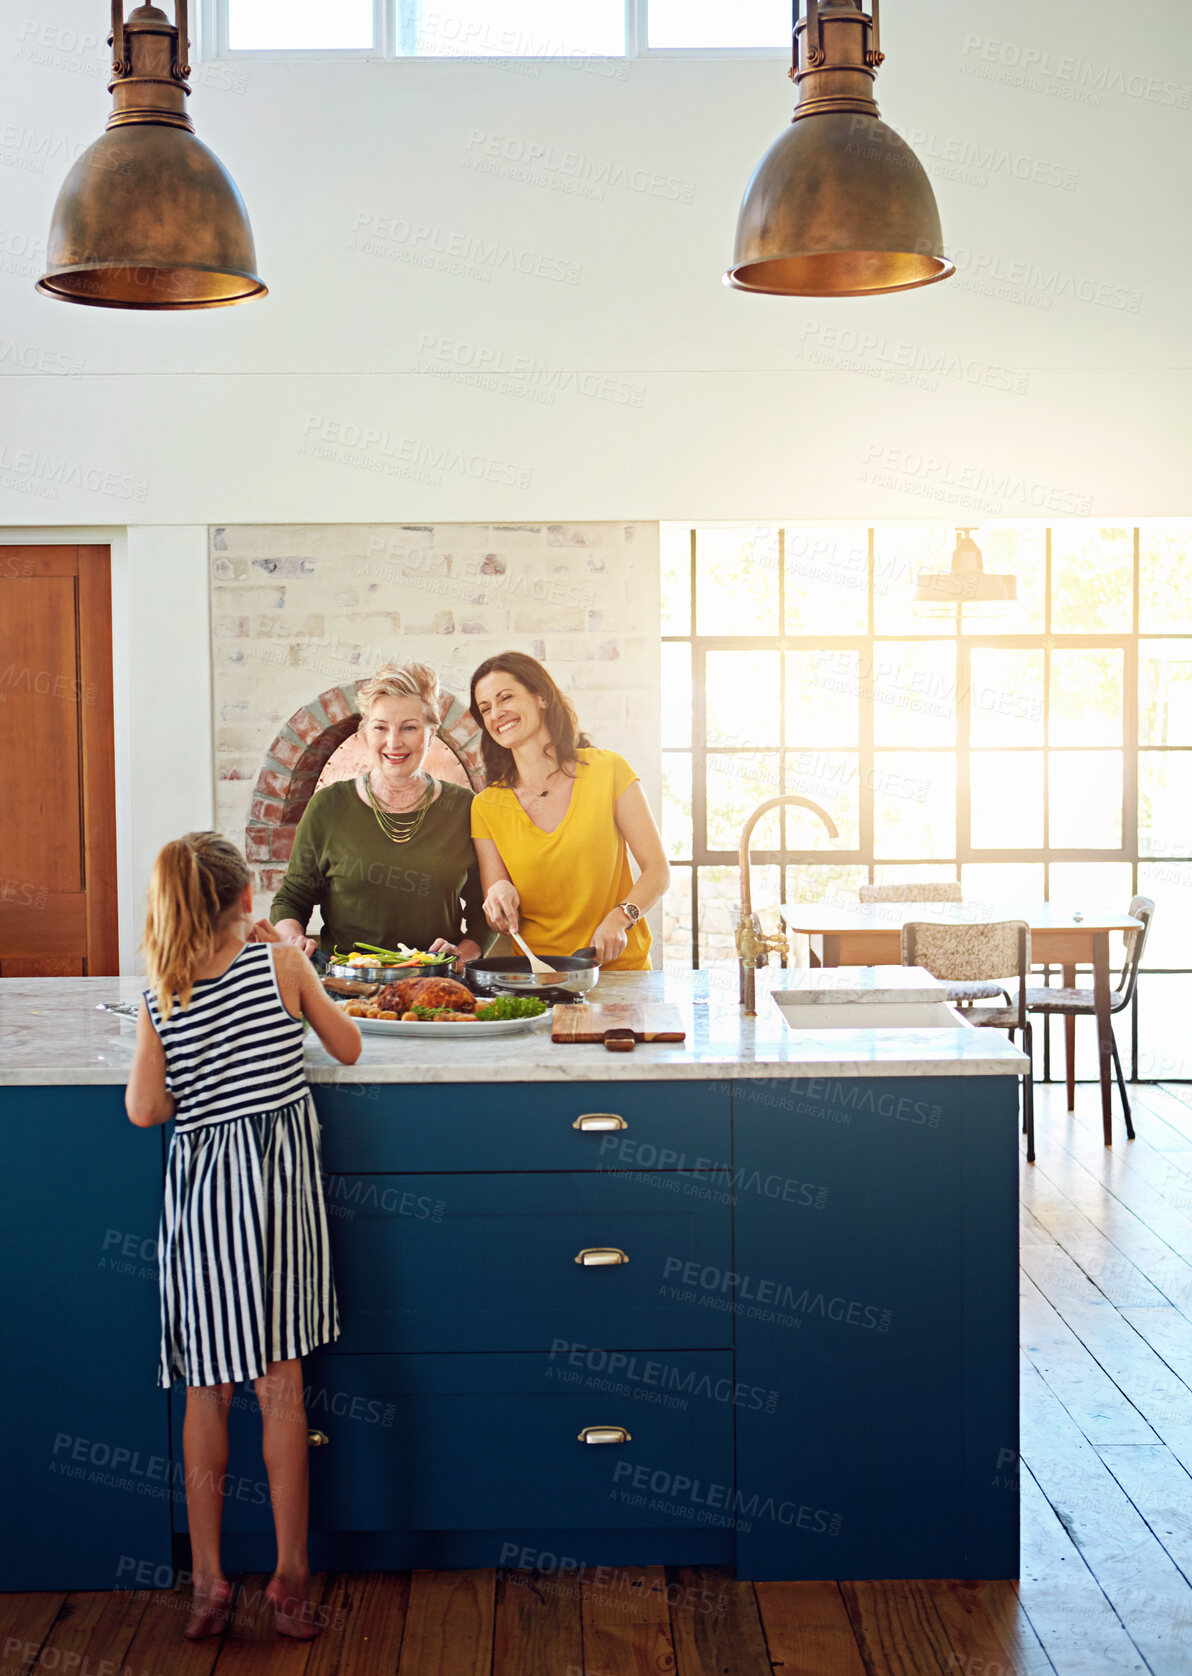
[(1130, 641), (213, 35)]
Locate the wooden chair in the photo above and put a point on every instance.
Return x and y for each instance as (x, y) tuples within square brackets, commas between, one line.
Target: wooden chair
[(1073, 1002), (983, 954), (948, 891)]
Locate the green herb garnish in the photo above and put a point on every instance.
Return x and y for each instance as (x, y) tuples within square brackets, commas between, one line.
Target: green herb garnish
[(510, 1006), (503, 1006)]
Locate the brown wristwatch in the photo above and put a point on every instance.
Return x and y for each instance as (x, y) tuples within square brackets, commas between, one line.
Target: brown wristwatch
[(631, 911)]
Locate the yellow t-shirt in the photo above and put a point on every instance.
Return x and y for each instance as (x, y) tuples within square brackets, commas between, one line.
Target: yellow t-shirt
[(568, 879)]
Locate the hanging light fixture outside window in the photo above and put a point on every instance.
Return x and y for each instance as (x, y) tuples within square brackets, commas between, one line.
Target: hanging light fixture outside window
[(148, 217), (966, 586), (839, 206)]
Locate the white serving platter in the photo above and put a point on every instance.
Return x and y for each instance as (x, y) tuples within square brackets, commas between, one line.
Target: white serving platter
[(450, 1026)]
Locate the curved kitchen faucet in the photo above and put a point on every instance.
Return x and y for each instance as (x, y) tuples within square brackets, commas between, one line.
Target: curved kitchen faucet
[(753, 945)]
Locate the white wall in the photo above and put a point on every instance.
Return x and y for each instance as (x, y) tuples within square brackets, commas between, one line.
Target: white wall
[(716, 405), (162, 668)]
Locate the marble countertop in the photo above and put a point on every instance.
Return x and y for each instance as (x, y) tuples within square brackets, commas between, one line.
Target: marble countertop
[(52, 1033)]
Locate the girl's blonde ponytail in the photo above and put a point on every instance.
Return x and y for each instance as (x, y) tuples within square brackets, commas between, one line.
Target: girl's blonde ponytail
[(196, 880)]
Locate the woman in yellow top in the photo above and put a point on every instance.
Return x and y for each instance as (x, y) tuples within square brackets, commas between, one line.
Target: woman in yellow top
[(557, 823)]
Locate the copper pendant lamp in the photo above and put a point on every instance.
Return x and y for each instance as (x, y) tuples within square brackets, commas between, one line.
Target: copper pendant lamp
[(839, 206), (148, 217)]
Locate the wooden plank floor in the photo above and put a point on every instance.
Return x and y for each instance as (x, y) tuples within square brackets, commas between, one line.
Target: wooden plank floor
[(1106, 1482)]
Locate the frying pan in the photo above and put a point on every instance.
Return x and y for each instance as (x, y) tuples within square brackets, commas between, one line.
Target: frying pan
[(510, 975)]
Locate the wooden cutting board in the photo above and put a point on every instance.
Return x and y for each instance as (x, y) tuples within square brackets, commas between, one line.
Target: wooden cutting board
[(619, 1025)]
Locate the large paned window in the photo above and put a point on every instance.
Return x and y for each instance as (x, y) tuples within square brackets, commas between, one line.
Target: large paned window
[(1043, 755), (498, 28)]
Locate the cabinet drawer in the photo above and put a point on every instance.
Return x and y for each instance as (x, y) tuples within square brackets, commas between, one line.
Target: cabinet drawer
[(464, 1443), (525, 1126), (487, 1262), (485, 1442)]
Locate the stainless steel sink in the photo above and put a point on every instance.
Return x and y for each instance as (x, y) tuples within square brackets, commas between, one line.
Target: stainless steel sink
[(801, 1014)]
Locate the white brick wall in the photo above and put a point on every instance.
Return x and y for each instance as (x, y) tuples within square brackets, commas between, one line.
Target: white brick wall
[(299, 608)]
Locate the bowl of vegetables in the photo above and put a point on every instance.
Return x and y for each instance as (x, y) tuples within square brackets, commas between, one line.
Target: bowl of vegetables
[(368, 963)]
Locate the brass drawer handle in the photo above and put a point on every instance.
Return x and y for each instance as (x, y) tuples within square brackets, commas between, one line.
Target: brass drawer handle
[(605, 1434), (599, 1121), (315, 1440), (601, 1256)]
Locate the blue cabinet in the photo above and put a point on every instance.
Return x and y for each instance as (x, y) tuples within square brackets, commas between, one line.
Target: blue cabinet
[(485, 1441), (811, 1351), (88, 1474), (489, 1262), (488, 1442), (525, 1126), (889, 1323)]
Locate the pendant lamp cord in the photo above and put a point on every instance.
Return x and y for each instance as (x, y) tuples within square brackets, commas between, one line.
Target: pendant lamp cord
[(874, 56), (815, 41), (119, 62), (182, 62)]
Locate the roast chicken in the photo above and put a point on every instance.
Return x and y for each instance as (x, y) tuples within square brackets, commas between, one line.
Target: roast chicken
[(426, 992)]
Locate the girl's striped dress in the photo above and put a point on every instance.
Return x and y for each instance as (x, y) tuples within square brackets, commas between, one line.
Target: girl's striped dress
[(243, 1251)]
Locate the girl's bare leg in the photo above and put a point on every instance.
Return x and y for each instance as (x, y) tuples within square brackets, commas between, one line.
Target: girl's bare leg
[(285, 1447), (205, 1452)]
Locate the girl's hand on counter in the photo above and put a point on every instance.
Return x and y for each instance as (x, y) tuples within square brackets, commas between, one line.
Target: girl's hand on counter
[(609, 938), (501, 906)]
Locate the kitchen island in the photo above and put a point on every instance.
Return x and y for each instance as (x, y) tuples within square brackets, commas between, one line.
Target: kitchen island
[(750, 1299)]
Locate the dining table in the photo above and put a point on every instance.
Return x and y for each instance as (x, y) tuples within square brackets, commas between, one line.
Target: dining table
[(870, 934)]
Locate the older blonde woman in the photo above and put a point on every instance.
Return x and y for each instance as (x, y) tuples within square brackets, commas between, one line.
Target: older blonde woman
[(388, 856)]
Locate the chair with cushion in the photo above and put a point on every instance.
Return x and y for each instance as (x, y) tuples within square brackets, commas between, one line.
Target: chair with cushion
[(946, 892), (985, 954), (1072, 1002)]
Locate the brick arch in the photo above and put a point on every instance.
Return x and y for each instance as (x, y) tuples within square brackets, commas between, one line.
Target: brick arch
[(297, 756)]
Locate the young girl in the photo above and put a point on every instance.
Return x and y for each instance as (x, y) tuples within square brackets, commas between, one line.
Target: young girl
[(243, 1252)]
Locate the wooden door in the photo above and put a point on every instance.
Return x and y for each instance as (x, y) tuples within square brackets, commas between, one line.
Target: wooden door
[(57, 772)]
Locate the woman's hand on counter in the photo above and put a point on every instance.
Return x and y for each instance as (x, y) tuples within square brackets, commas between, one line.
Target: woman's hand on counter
[(463, 951), (289, 931), (501, 906), (609, 938)]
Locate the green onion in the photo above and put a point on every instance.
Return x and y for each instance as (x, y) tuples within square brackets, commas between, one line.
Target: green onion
[(396, 957)]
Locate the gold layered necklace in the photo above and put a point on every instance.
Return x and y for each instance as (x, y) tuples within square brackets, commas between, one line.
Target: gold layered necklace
[(401, 828)]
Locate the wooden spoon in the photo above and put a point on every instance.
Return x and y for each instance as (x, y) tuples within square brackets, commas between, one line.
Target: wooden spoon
[(538, 967)]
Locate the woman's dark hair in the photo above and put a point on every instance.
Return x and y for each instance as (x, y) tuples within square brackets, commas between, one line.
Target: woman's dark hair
[(565, 737)]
